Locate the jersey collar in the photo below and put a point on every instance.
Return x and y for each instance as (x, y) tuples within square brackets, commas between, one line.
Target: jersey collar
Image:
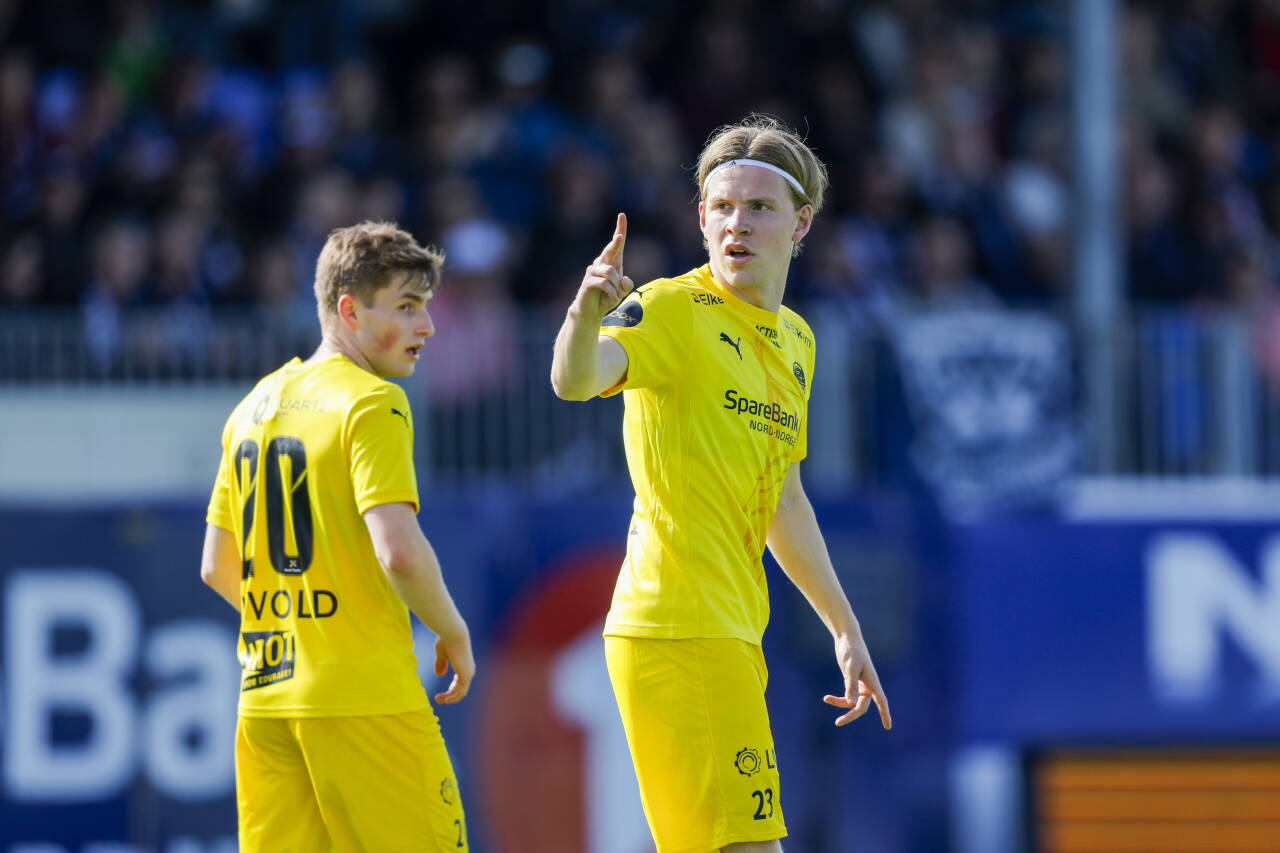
[(754, 313)]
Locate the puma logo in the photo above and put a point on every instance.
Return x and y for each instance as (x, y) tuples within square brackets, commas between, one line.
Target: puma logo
[(396, 411), (731, 342)]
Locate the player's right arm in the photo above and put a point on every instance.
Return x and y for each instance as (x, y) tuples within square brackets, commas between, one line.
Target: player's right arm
[(797, 544), (220, 565), (586, 363), (413, 570)]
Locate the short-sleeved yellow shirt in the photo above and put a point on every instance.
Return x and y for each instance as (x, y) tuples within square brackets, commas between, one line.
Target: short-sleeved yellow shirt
[(322, 632), (716, 397)]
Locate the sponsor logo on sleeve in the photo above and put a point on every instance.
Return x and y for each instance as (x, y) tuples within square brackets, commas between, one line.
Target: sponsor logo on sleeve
[(798, 372), (627, 314)]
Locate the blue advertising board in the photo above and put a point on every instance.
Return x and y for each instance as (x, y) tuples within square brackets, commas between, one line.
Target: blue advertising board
[(1161, 631), (119, 676), (119, 681)]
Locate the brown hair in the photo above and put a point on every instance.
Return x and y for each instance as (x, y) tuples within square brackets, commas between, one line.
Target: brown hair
[(362, 259), (764, 138)]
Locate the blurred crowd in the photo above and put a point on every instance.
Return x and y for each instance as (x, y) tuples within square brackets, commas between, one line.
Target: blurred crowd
[(179, 155)]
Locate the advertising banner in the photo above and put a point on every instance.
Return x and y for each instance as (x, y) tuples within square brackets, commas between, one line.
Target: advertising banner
[(120, 679), (1119, 631)]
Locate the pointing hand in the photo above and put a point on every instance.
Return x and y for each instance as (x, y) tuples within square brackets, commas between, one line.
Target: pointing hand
[(604, 285)]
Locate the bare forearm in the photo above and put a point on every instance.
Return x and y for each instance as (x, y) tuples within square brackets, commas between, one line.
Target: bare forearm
[(412, 568), (220, 565), (229, 589), (574, 364), (797, 544), (418, 581)]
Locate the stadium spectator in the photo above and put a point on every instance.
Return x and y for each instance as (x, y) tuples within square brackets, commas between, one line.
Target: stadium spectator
[(272, 98), (21, 269), (119, 268), (942, 264), (285, 119)]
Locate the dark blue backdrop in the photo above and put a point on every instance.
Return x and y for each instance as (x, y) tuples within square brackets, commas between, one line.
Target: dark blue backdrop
[(119, 670)]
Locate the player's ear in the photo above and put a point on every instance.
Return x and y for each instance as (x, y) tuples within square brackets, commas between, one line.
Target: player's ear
[(347, 309), (702, 214), (804, 223)]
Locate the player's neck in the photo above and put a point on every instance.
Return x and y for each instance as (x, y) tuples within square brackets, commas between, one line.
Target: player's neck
[(332, 344), (766, 296)]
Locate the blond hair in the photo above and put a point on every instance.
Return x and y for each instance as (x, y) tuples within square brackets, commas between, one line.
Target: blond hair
[(362, 259), (764, 138)]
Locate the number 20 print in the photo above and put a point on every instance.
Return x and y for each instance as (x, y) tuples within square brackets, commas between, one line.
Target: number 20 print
[(289, 534)]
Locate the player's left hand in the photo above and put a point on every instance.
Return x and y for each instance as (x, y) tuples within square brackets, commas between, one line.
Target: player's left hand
[(861, 684), (457, 653)]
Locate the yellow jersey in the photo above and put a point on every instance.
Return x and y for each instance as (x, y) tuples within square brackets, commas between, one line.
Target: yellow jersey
[(715, 397), (322, 632)]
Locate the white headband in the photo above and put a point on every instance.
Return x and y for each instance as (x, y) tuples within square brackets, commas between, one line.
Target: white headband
[(763, 165)]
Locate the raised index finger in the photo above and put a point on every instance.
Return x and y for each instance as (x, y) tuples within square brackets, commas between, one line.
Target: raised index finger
[(612, 253)]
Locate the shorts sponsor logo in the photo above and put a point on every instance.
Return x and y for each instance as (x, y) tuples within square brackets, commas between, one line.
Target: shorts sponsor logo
[(267, 657), (747, 761), (628, 314)]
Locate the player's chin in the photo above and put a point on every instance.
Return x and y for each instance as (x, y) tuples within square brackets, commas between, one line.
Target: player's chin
[(400, 370)]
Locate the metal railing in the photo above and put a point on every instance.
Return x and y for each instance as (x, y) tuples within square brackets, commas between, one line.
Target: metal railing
[(1198, 395), (1204, 397)]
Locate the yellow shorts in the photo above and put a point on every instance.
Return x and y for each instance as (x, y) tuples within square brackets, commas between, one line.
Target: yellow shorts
[(379, 782), (699, 734)]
